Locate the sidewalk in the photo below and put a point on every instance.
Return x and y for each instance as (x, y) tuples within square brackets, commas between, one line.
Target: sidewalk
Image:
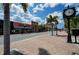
[(46, 44)]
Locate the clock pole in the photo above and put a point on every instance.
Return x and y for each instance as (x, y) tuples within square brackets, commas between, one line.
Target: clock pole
[(68, 13), (69, 40), (69, 34)]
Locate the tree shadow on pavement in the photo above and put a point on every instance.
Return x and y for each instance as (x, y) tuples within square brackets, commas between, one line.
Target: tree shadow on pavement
[(43, 52)]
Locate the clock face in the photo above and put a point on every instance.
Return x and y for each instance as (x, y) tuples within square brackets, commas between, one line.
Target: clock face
[(69, 12)]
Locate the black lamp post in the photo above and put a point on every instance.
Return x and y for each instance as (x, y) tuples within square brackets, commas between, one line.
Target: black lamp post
[(69, 34), (68, 13)]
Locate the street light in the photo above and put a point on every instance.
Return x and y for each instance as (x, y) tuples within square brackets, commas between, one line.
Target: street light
[(68, 13)]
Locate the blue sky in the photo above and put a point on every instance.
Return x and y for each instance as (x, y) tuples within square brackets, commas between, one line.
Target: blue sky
[(38, 12)]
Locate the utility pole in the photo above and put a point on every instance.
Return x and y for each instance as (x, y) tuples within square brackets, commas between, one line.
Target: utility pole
[(6, 28)]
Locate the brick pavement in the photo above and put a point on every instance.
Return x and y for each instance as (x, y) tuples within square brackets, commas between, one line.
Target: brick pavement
[(46, 44)]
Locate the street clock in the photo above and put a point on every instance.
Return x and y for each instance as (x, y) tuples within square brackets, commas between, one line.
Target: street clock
[(69, 12)]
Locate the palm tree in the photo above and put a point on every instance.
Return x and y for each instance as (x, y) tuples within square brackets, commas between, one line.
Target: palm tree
[(56, 22), (51, 19), (7, 26)]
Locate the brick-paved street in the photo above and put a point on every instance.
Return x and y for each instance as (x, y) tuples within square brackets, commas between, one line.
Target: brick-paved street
[(46, 44)]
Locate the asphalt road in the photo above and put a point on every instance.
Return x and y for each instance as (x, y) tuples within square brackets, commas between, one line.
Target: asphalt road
[(17, 37)]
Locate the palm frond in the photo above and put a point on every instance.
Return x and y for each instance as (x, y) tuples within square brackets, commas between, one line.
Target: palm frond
[(24, 5)]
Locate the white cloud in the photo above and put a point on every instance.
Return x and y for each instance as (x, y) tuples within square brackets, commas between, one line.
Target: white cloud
[(40, 7), (44, 21), (36, 19), (19, 14), (52, 4), (31, 4), (59, 14), (17, 8), (60, 21), (30, 17), (37, 8), (18, 19), (12, 18)]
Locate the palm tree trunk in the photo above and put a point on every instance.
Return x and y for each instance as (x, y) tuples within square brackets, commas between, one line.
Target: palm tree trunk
[(52, 29), (56, 30), (6, 29)]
